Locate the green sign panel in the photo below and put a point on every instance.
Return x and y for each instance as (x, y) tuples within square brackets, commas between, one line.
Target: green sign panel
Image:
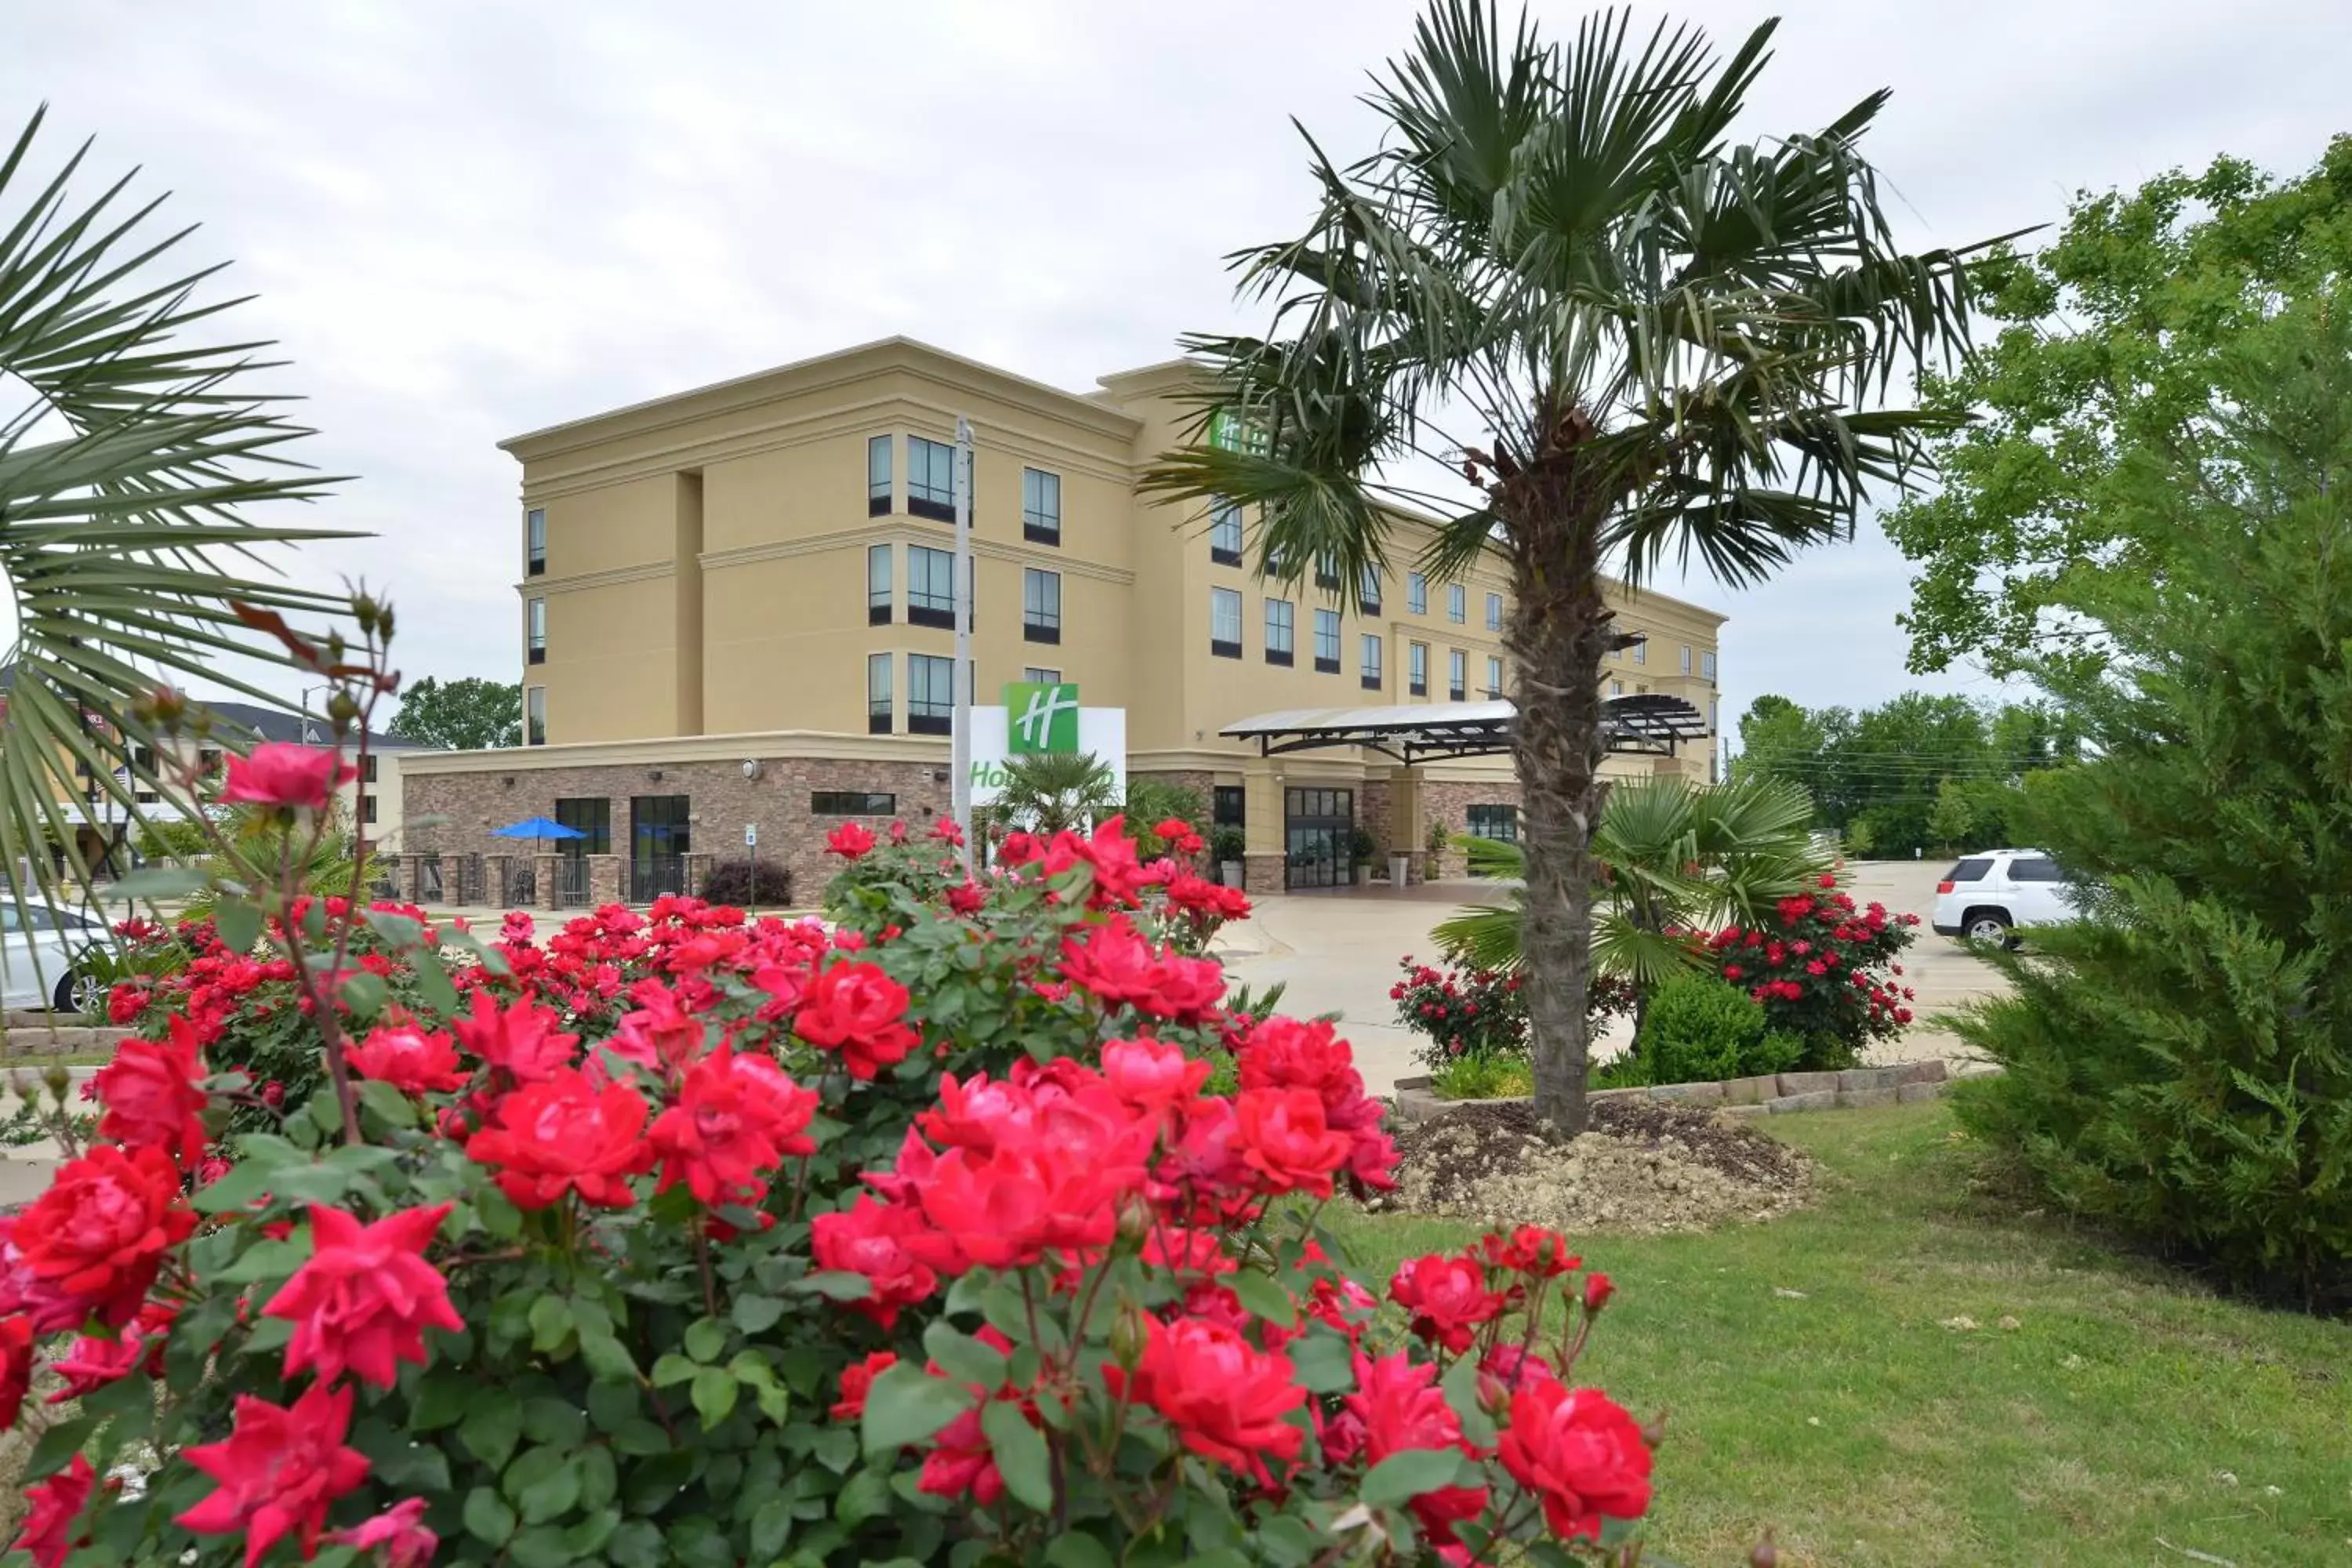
[(1040, 718), (1230, 431)]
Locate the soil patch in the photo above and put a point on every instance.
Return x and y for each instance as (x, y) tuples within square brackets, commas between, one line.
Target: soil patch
[(1643, 1167)]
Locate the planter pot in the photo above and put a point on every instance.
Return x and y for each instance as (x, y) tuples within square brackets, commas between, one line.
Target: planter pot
[(1230, 873), (1399, 871)]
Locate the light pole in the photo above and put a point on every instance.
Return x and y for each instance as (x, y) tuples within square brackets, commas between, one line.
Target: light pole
[(308, 737), (960, 747)]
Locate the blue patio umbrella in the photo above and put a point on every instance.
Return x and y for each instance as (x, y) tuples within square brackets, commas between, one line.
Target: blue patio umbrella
[(536, 827)]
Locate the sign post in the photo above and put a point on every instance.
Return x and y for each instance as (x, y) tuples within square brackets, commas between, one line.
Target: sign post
[(960, 747)]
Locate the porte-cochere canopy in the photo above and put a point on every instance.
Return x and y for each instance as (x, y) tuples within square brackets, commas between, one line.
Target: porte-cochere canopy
[(1642, 721)]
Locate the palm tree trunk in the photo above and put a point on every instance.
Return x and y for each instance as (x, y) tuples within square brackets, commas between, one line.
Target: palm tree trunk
[(1559, 632)]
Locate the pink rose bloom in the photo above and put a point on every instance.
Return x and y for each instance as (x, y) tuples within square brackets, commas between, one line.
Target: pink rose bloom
[(279, 773)]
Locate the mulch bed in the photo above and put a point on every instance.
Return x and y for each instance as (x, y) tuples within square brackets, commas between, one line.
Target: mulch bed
[(1642, 1167)]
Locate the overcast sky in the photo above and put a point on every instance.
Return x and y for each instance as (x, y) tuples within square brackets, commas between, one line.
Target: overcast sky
[(466, 221)]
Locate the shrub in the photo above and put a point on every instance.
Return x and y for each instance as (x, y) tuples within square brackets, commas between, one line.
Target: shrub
[(1481, 1012), (689, 1239), (1227, 844), (1483, 1078), (1697, 1030), (748, 884), (1825, 971), (1151, 802)]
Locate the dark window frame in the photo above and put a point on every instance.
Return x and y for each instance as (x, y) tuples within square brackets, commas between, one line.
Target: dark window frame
[(852, 802), (1034, 527), (1221, 512), (1288, 645), (879, 718), (923, 501), (596, 825), (879, 502), (1480, 821), (1225, 797), (1329, 663), (1219, 647), (931, 715), (534, 542), (1036, 625)]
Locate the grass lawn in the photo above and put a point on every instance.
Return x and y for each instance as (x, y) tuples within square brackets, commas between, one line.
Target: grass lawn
[(2127, 1417)]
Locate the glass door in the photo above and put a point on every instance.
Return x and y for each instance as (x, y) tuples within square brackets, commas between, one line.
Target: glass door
[(658, 842), (1318, 831)]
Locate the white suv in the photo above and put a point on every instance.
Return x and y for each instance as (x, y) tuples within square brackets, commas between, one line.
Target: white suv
[(1987, 896)]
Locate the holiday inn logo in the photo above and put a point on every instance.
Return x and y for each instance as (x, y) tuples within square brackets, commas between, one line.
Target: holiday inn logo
[(1040, 718)]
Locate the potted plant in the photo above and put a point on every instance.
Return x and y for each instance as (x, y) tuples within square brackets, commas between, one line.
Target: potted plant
[(1439, 834), (1227, 842), (1363, 849)]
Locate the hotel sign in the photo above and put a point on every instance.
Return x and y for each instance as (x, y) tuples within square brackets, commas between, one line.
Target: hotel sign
[(1039, 718)]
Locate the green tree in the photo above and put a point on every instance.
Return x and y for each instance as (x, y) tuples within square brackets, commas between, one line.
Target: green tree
[(470, 714), (1047, 791), (2180, 1063), (2106, 353), (121, 531), (1671, 346), (1778, 739), (1953, 817)]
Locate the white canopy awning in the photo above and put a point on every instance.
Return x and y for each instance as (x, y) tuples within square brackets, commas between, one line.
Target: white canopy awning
[(1642, 721)]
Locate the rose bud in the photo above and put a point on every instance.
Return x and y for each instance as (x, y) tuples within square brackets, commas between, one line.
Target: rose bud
[(1597, 1291)]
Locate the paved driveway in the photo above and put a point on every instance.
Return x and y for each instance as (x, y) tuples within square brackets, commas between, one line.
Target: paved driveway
[(1338, 952)]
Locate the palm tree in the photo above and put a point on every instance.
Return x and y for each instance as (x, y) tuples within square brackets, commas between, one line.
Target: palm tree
[(120, 478), (1669, 345), (1045, 792), (1667, 858)]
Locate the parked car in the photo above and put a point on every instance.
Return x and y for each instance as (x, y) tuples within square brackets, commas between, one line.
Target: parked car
[(40, 958), (1989, 895)]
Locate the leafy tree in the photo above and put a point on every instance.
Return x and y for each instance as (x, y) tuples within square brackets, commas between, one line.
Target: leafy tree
[(1047, 791), (2108, 352), (1953, 816), (1776, 737), (470, 714), (1669, 345), (2179, 1063), (122, 532)]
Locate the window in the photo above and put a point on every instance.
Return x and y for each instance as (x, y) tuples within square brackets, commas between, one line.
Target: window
[(1367, 590), (534, 716), (851, 803), (1370, 659), (1707, 664), (2034, 869), (1327, 641), (1494, 612), (1279, 628), (1040, 507), (878, 476), (1642, 651), (1416, 593), (1494, 678), (1224, 623), (1713, 714), (1493, 822), (1457, 674), (1686, 658), (1038, 675), (534, 526), (1041, 605), (930, 587), (931, 480), (592, 817), (538, 619), (367, 774), (931, 695), (1229, 807), (1616, 689), (878, 584), (367, 807), (1326, 571), (879, 715), (1457, 603), (1225, 531), (1416, 669)]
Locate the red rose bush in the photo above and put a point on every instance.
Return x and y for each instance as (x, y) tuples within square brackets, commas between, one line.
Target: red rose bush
[(685, 1238), (1824, 968)]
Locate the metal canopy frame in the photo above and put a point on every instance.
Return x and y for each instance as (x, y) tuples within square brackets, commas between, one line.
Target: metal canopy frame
[(1644, 722)]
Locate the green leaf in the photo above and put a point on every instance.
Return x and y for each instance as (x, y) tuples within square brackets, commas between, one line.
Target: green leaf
[(398, 931), (386, 1103), (544, 1484), (155, 883), (365, 994), (640, 1438), (1323, 1362), (490, 1432), (489, 1520), (906, 1405), (836, 1285), (1020, 1452), (237, 922), (1265, 1297), (1075, 1549), (607, 1358), (772, 1527), (551, 1323), (962, 1357), (865, 1495), (757, 1314), (705, 1338), (715, 1391), (1402, 1477), (541, 1546), (638, 1543), (269, 1260), (556, 1421), (613, 1403), (58, 1446), (442, 1400), (243, 1184), (673, 1368)]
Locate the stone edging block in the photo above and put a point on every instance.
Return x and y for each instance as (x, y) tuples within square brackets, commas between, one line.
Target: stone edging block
[(1853, 1089)]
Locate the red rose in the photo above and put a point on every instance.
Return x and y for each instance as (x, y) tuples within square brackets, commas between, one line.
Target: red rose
[(1224, 1400), (1117, 964), (1530, 1249), (851, 841), (54, 1507), (1281, 1133), (125, 1001), (872, 1239), (1598, 1288), (1399, 1407), (365, 1298), (409, 1059), (279, 773), (279, 1469), (1732, 971), (856, 1381), (967, 897), (90, 1363), (856, 1009), (521, 1038), (16, 1365), (1447, 1297), (151, 1097), (94, 1241), (562, 1135), (1581, 1453), (736, 1119), (398, 1533), (1152, 1075)]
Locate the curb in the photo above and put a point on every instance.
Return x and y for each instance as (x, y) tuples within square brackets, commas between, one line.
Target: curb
[(1853, 1089)]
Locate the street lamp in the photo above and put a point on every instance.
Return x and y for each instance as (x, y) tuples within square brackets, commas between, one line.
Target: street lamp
[(308, 737)]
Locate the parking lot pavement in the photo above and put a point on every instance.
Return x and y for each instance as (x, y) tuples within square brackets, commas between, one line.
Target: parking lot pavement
[(1338, 952)]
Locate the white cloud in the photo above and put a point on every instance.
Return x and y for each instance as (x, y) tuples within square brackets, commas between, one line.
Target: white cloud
[(466, 221)]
